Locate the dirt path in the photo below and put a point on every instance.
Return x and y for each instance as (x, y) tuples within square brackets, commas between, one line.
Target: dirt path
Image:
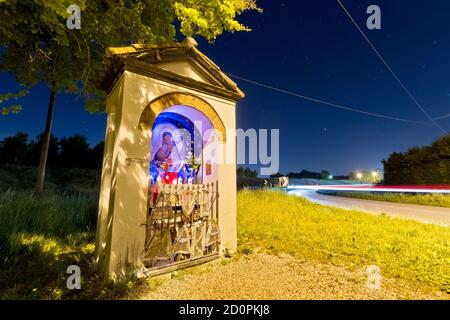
[(263, 276)]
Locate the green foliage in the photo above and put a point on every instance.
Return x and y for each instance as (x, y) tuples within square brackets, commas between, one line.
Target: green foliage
[(40, 238), (246, 172), (372, 176), (61, 181), (14, 149), (210, 19), (54, 215), (437, 200), (408, 250), (305, 174), (425, 165), (12, 109), (325, 174), (40, 48), (73, 151)]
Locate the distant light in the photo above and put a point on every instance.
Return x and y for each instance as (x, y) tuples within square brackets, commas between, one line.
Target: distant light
[(330, 177), (374, 174), (359, 175)]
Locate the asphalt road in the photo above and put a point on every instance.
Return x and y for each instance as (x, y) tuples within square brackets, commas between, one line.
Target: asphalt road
[(435, 215)]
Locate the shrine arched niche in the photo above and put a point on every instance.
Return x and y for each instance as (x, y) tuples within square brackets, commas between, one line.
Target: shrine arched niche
[(161, 103), (182, 223), (193, 128)]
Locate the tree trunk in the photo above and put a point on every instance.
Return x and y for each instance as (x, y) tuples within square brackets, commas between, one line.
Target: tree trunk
[(39, 189)]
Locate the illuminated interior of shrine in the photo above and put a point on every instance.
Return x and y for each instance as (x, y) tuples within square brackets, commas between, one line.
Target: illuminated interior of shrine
[(180, 137)]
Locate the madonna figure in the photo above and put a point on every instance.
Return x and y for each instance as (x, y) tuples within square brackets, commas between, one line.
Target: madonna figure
[(167, 159)]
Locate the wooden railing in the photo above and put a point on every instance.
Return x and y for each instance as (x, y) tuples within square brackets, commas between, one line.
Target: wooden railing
[(182, 224)]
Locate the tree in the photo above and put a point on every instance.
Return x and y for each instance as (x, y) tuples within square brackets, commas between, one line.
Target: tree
[(96, 156), (70, 152), (15, 108), (305, 174), (74, 152), (249, 173), (424, 165), (368, 176), (36, 150), (277, 175), (15, 149), (246, 172), (40, 48), (325, 174)]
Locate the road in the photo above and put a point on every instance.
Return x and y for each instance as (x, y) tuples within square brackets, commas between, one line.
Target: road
[(434, 215)]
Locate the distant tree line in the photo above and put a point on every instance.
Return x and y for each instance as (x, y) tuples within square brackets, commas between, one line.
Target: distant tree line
[(70, 152), (305, 174), (368, 176), (420, 165), (246, 173)]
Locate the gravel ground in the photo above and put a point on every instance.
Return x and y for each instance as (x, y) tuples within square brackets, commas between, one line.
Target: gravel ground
[(263, 276)]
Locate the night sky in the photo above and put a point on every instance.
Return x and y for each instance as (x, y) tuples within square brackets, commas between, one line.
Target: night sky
[(312, 48)]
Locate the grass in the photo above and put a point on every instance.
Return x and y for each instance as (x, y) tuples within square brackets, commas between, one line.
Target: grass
[(406, 250), (40, 238), (437, 200), (67, 181)]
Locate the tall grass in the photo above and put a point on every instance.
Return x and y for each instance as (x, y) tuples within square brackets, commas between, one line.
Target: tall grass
[(402, 249), (67, 181), (52, 215), (437, 200), (40, 238)]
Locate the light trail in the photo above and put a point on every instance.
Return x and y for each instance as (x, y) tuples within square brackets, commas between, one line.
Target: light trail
[(372, 188)]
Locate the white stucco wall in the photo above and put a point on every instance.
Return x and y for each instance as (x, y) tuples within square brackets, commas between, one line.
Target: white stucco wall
[(124, 208)]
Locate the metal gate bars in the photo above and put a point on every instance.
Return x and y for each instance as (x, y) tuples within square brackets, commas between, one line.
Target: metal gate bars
[(182, 225)]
